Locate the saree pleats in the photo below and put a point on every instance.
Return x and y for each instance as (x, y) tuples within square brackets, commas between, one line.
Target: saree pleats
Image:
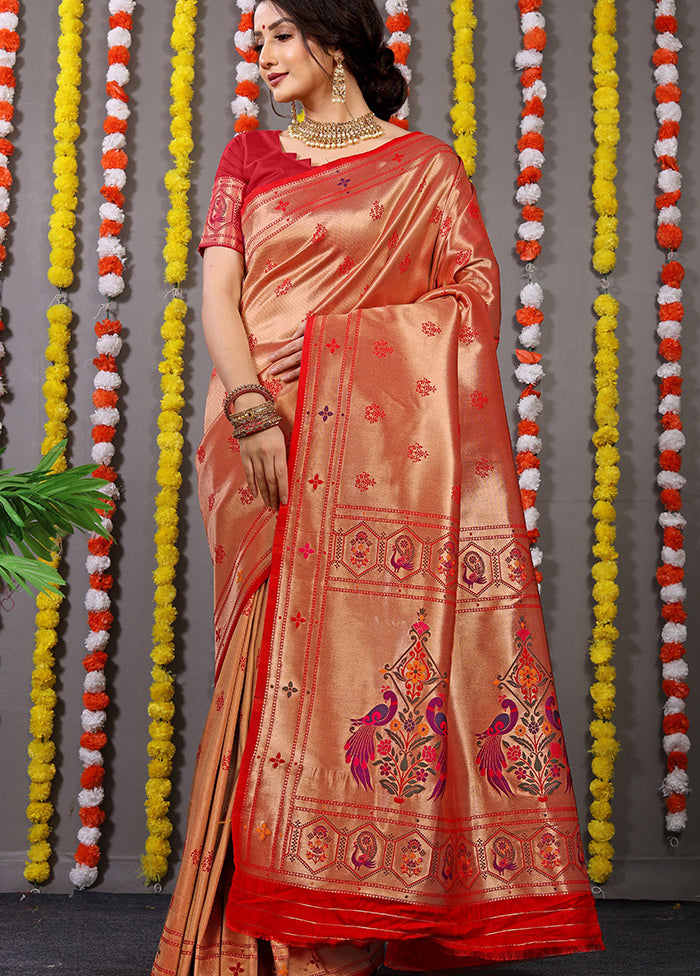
[(196, 941)]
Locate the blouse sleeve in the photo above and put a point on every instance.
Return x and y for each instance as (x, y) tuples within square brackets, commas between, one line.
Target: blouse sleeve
[(223, 223)]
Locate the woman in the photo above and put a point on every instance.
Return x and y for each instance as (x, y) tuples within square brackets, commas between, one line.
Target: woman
[(375, 598)]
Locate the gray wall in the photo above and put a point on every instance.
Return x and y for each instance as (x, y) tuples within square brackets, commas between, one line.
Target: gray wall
[(645, 865)]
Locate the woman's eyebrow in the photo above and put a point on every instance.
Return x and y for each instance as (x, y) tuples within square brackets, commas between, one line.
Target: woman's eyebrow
[(283, 20)]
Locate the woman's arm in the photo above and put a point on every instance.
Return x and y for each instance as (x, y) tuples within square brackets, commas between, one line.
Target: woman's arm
[(264, 455)]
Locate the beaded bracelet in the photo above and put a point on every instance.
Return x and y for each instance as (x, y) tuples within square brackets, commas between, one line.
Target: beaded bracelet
[(230, 398)]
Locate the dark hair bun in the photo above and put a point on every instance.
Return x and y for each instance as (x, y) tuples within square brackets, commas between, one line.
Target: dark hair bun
[(385, 59), (385, 88)]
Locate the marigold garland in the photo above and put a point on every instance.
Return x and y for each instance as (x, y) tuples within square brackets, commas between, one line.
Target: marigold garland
[(463, 112), (60, 274), (605, 569), (398, 24), (170, 442), (9, 45), (529, 316), (670, 574), (105, 419), (244, 106)]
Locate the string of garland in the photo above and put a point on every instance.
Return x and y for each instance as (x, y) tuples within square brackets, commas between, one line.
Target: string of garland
[(244, 106), (170, 441), (670, 574), (463, 112), (62, 240), (605, 569), (105, 420), (529, 371), (398, 24), (9, 45)]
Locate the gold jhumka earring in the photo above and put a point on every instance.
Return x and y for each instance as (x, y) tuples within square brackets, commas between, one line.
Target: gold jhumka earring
[(339, 92)]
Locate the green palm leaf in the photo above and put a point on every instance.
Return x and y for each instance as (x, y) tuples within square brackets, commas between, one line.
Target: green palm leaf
[(38, 508)]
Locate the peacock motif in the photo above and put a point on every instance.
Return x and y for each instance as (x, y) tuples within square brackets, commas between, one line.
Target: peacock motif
[(359, 749), (503, 855), (403, 553), (365, 851), (490, 758), (473, 569), (437, 720)]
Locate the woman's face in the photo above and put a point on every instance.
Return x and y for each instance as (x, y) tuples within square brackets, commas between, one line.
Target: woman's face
[(286, 64)]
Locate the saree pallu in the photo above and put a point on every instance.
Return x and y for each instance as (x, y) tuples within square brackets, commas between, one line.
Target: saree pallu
[(405, 775)]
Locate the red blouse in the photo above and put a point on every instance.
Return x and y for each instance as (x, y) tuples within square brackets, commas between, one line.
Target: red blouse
[(250, 161)]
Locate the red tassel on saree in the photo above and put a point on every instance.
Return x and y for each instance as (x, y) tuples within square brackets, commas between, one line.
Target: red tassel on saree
[(405, 775)]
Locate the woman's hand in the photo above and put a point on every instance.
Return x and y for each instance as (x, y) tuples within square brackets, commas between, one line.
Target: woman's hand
[(286, 362), (264, 457)]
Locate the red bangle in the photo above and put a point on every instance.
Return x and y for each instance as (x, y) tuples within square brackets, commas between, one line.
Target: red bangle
[(230, 398)]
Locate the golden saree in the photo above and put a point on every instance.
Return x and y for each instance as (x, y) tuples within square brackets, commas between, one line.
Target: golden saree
[(405, 776)]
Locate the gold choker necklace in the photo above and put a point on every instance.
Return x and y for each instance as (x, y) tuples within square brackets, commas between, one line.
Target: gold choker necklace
[(335, 135)]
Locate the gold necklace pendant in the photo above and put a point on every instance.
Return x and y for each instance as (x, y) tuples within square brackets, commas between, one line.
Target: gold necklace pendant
[(335, 135)]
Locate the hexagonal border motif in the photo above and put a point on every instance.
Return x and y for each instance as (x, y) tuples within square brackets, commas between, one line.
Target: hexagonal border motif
[(304, 839), (399, 573), (347, 539), (436, 557), (471, 880), (562, 846), (486, 557), (351, 850), (491, 855), (504, 569), (402, 849)]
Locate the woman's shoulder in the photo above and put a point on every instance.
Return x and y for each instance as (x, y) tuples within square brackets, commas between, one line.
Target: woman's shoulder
[(245, 149), (441, 154), (437, 145), (252, 142)]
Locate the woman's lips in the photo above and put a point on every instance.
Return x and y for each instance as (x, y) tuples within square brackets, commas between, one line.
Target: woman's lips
[(272, 80)]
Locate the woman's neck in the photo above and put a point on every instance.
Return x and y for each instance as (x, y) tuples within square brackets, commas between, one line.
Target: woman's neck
[(320, 108)]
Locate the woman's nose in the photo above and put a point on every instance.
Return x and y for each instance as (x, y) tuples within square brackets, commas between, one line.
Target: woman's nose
[(266, 59)]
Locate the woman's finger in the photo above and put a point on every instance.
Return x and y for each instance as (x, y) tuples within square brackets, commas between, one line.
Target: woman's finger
[(287, 355), (288, 362), (270, 478), (282, 479), (263, 485), (293, 346), (249, 473)]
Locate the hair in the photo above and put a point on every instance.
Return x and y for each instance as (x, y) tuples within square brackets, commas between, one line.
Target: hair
[(355, 28)]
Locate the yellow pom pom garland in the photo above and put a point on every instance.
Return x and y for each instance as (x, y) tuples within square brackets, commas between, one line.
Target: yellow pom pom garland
[(605, 569), (61, 238), (463, 112), (154, 862)]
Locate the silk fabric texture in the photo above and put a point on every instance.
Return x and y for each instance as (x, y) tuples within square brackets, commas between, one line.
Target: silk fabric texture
[(405, 776)]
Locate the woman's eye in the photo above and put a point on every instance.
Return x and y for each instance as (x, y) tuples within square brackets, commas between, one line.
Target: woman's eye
[(282, 37)]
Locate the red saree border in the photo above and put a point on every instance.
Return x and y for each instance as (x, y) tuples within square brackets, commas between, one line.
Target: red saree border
[(324, 167), (559, 923)]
